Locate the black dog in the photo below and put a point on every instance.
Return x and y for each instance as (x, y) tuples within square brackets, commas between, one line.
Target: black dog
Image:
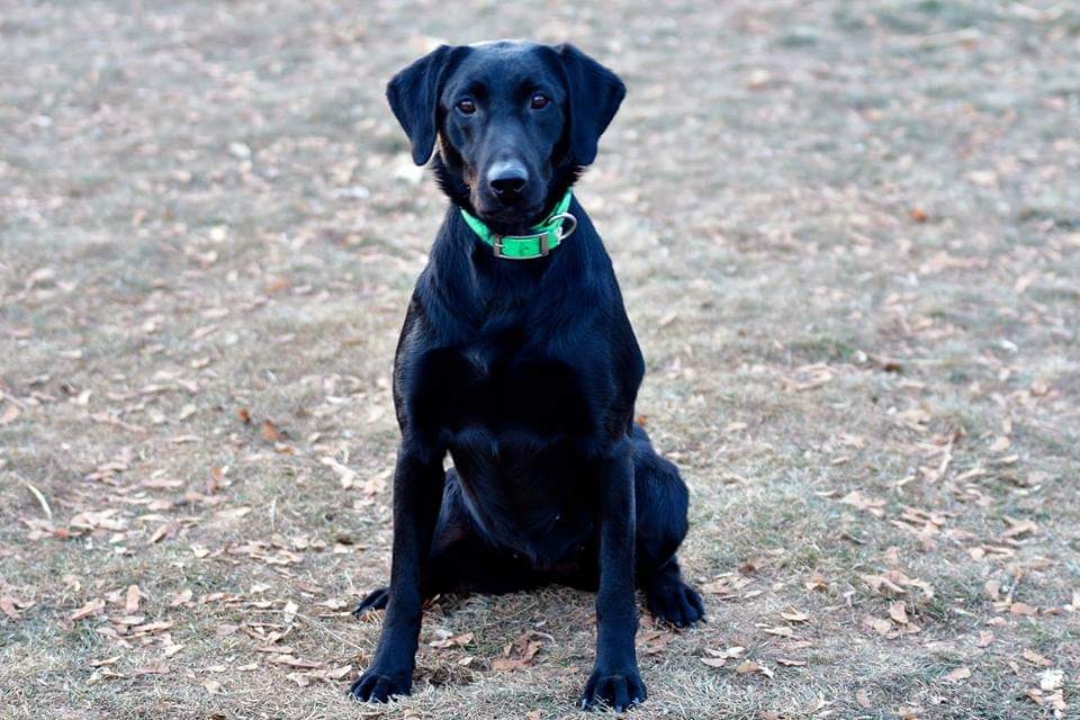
[(517, 358)]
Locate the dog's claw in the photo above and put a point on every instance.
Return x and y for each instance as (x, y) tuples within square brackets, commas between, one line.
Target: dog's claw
[(374, 600)]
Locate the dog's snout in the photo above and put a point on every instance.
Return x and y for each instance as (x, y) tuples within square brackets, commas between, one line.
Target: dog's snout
[(507, 179)]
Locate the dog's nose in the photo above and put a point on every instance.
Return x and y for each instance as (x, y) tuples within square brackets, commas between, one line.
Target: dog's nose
[(507, 179)]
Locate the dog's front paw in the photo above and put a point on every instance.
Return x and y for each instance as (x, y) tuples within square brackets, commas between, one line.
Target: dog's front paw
[(619, 690), (375, 686)]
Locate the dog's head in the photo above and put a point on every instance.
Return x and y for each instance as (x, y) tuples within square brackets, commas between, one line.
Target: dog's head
[(515, 123)]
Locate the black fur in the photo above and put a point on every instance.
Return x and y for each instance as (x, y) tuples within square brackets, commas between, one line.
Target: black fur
[(526, 373)]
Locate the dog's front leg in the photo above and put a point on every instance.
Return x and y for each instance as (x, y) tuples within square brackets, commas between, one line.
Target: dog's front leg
[(418, 488), (615, 679)]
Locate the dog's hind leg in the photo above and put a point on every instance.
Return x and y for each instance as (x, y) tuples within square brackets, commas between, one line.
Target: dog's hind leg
[(662, 500), (459, 559)]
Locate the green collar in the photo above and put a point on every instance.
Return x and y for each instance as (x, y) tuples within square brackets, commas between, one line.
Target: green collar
[(548, 234)]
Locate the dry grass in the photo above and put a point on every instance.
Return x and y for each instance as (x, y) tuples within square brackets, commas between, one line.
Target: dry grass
[(849, 237)]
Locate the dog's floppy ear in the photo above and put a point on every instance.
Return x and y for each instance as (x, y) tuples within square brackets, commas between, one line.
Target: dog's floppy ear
[(595, 94), (414, 97)]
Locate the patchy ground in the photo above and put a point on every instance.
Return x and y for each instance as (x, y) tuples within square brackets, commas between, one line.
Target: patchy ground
[(849, 238)]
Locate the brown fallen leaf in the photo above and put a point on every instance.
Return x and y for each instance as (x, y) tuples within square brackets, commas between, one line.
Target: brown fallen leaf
[(717, 587), (225, 630), (750, 667), (181, 598), (883, 585), (271, 432), (91, 608), (295, 662), (793, 615), (1020, 608), (275, 649), (724, 655), (857, 500), (278, 284), (152, 627), (519, 653), (301, 679), (338, 673), (104, 673), (131, 599), (10, 413), (1056, 701), (879, 625), (790, 663), (894, 582), (505, 664), (161, 669), (958, 674), (1036, 659), (783, 631), (159, 534), (654, 642), (452, 641), (1019, 527), (898, 612), (8, 606), (232, 513)]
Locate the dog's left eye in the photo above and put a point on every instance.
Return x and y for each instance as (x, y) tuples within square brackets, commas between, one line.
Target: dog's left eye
[(539, 101)]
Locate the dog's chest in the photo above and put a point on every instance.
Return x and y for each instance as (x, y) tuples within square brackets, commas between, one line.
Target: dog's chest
[(508, 392), (513, 439)]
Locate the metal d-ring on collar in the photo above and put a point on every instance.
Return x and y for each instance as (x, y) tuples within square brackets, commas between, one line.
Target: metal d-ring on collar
[(548, 236)]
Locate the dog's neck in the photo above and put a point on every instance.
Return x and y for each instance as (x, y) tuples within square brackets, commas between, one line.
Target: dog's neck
[(476, 291), (451, 178)]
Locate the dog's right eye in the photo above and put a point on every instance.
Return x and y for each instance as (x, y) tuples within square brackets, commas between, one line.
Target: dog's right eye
[(466, 107), (539, 101)]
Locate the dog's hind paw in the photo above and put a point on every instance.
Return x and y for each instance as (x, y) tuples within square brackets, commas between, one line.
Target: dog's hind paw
[(678, 604), (374, 600)]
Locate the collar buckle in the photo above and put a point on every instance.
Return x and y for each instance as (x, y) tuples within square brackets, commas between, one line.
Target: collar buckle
[(544, 242)]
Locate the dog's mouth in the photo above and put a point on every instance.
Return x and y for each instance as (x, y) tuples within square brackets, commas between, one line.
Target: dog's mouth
[(508, 218)]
